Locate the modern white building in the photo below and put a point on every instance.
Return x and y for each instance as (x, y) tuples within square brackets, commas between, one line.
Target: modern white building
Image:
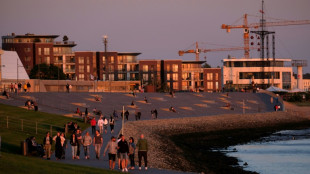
[(12, 67), (257, 73)]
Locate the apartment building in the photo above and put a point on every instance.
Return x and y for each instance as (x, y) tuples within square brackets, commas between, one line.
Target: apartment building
[(37, 49)]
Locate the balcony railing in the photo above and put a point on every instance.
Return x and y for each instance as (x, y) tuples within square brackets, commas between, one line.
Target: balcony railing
[(70, 70), (64, 43)]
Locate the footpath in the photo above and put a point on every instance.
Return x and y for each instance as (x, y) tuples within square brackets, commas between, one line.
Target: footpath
[(103, 162)]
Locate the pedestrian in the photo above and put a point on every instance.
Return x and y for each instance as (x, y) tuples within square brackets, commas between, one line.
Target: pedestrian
[(28, 86), (105, 124), (93, 125), (25, 87), (139, 115), (112, 122), (145, 99), (63, 145), (16, 88), (86, 112), (35, 105), (142, 146), (98, 141), (74, 142), (58, 147), (87, 141), (156, 113), (132, 148), (47, 143), (124, 150), (67, 87), (12, 87), (100, 125), (19, 87), (127, 115), (112, 146), (118, 152), (79, 143), (152, 114)]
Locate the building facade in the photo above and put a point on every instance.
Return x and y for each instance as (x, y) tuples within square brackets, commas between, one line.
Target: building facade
[(37, 49), (255, 72)]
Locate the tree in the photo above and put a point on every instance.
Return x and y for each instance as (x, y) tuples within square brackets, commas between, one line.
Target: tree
[(48, 72), (65, 38), (205, 65)]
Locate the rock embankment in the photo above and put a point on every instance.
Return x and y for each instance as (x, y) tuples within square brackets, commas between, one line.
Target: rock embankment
[(163, 153)]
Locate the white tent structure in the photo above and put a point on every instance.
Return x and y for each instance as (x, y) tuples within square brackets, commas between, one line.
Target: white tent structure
[(275, 89), (296, 90), (12, 67)]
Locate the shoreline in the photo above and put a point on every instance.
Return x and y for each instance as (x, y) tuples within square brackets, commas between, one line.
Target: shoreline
[(169, 153)]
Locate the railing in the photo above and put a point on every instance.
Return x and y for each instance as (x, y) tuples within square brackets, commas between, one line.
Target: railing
[(70, 70), (64, 43), (30, 127)]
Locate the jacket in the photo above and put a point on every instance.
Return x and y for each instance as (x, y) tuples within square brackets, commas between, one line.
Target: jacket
[(142, 145), (87, 140), (112, 146)]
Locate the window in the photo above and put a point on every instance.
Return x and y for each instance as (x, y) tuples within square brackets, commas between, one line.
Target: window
[(145, 68), (39, 51), (209, 76), (216, 76), (81, 68), (145, 77), (81, 76), (175, 76), (88, 68), (201, 76), (216, 85), (201, 83), (27, 59), (81, 60), (27, 49), (112, 59), (111, 68), (103, 59), (209, 85), (121, 76), (47, 60), (175, 67), (175, 85), (168, 68), (46, 51), (87, 60), (111, 77), (168, 76)]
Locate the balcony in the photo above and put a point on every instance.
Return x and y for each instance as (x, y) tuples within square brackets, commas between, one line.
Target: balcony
[(70, 61), (65, 43), (69, 70)]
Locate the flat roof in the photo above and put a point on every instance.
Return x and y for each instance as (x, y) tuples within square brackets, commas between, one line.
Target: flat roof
[(255, 59), (193, 62), (30, 36), (127, 53)]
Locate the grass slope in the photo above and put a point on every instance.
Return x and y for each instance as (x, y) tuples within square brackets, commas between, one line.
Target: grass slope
[(12, 162)]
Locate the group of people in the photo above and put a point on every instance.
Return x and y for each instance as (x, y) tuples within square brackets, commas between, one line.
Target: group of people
[(102, 123), (17, 87), (125, 152)]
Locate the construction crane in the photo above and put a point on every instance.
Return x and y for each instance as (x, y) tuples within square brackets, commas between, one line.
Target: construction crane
[(197, 50), (247, 26)]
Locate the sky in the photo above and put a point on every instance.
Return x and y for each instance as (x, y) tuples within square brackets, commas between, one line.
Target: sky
[(159, 28)]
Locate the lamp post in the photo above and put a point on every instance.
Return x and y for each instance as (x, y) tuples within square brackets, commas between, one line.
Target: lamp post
[(105, 42)]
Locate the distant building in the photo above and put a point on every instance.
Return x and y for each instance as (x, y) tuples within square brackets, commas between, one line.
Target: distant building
[(37, 49), (253, 73)]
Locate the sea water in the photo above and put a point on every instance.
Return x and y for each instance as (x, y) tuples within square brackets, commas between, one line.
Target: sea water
[(286, 152)]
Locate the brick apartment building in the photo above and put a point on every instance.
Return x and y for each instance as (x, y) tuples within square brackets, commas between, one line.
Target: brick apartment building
[(154, 75), (37, 49)]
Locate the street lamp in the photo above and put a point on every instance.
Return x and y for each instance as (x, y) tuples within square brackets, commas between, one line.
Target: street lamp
[(105, 42)]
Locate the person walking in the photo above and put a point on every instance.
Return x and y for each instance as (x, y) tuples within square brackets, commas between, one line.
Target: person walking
[(63, 145), (67, 87), (112, 122), (127, 115), (47, 143), (79, 143), (112, 147), (142, 146), (105, 124), (98, 141), (58, 147), (123, 150), (132, 148), (28, 86), (156, 113), (87, 141), (100, 125), (74, 143), (25, 87), (86, 112), (93, 126)]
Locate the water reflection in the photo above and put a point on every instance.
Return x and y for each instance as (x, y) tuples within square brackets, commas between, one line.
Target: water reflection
[(280, 156)]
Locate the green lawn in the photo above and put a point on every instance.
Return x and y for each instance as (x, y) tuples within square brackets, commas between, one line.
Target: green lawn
[(11, 160)]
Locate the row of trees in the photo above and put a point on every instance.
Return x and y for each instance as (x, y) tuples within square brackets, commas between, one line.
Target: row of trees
[(48, 72)]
